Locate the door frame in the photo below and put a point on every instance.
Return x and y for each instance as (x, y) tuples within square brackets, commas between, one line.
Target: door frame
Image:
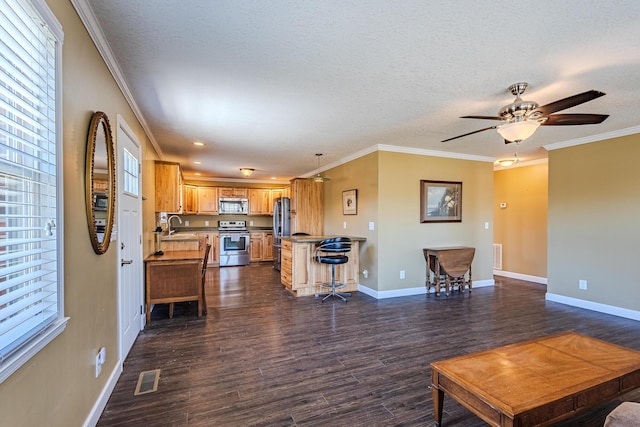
[(124, 127)]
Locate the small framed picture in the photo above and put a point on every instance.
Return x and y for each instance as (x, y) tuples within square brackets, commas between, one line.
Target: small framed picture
[(350, 202), (440, 201)]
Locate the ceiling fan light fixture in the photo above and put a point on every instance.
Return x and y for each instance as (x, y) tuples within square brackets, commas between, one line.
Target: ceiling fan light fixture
[(506, 162), (247, 172), (518, 131)]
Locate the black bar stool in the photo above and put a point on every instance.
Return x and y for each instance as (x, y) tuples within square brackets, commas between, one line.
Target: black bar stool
[(333, 251)]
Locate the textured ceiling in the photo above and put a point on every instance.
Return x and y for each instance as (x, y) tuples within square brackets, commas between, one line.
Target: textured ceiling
[(267, 84)]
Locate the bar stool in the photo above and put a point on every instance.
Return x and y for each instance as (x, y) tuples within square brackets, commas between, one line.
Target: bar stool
[(333, 252)]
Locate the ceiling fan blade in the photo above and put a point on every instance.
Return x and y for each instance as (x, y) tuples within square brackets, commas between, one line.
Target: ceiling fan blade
[(574, 119), (482, 117), (569, 102), (470, 133)]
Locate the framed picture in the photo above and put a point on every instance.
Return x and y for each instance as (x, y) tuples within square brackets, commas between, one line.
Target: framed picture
[(440, 201), (350, 202)]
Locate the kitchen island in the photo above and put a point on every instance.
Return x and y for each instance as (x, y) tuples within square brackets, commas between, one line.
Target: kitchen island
[(303, 276)]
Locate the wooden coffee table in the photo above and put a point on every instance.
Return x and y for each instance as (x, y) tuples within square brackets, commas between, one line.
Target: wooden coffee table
[(537, 382)]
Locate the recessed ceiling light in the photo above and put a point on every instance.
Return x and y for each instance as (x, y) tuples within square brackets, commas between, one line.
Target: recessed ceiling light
[(197, 163), (199, 144), (197, 174)]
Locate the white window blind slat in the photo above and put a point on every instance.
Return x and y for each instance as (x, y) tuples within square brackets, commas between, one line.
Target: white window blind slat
[(8, 299), (30, 287)]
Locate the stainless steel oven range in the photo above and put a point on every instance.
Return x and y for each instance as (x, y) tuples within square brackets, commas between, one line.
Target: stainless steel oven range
[(234, 243)]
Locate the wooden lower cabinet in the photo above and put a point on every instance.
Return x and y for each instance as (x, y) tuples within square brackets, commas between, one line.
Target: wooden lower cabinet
[(261, 246), (303, 276), (214, 254)]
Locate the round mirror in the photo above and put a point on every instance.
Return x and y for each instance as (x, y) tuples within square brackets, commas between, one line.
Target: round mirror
[(100, 180)]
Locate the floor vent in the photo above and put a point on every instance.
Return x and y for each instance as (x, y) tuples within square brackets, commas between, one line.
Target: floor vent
[(147, 382), (497, 256)]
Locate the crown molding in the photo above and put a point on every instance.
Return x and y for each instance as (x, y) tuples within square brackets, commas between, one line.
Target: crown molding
[(593, 138), (90, 22)]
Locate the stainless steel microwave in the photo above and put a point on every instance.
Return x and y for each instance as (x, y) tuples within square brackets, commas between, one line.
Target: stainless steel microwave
[(233, 206), (101, 202)]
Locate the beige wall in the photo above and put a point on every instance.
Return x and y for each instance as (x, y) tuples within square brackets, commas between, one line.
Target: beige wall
[(362, 175), (58, 387), (594, 206), (388, 184), (521, 227)]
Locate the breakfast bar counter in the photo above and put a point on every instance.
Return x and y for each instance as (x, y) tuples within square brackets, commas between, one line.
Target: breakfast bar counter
[(303, 276)]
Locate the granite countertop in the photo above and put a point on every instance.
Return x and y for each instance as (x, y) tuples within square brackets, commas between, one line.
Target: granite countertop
[(316, 239)]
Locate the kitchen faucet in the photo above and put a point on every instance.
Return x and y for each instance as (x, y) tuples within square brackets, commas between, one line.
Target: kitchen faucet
[(169, 223)]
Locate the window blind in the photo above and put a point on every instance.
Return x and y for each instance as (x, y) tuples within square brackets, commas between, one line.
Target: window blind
[(29, 282)]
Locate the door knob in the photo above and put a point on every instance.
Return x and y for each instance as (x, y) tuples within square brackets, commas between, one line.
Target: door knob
[(125, 261)]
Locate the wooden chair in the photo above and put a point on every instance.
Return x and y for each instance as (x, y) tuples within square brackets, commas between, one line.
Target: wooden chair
[(204, 276)]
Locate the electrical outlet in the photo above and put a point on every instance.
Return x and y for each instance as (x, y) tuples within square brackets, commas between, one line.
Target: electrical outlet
[(101, 357), (372, 226), (582, 284), (206, 223), (344, 225), (250, 223), (365, 274), (98, 365), (186, 223), (402, 274)]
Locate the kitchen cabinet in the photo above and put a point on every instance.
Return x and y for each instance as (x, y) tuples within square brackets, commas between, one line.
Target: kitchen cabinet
[(208, 200), (261, 246), (260, 201), (168, 187), (233, 192), (307, 212), (190, 199), (213, 238)]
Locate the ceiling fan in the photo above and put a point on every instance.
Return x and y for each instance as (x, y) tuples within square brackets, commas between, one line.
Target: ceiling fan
[(522, 118)]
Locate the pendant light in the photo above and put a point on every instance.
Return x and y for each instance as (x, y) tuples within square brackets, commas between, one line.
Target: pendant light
[(317, 177)]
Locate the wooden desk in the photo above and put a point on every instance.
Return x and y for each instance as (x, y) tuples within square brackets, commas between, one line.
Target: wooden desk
[(451, 263), (537, 382), (174, 277)]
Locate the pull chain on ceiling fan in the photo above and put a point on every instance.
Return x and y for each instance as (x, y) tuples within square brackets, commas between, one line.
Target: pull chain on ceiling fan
[(522, 118)]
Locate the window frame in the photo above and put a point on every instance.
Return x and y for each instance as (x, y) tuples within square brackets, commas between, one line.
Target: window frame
[(40, 339)]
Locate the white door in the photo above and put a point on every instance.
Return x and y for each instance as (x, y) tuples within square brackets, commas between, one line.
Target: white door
[(129, 204)]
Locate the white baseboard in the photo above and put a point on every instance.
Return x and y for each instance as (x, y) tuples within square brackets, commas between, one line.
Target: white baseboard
[(412, 291), (102, 400), (594, 306), (528, 278)]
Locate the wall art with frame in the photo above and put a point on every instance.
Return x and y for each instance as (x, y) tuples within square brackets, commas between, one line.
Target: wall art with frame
[(440, 201), (350, 202)]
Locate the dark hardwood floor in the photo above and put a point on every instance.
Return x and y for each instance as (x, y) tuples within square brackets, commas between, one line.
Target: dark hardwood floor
[(264, 358)]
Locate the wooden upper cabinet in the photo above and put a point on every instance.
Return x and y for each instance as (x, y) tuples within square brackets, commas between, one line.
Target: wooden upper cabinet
[(168, 189), (260, 201), (233, 192), (307, 211), (208, 200), (190, 198)]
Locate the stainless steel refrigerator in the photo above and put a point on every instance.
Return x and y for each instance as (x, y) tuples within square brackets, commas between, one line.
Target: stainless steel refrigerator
[(281, 227)]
